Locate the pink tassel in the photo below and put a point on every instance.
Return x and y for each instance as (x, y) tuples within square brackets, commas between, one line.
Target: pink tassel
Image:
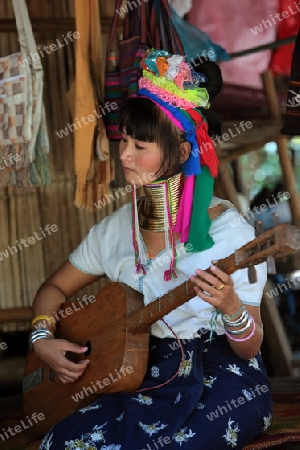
[(183, 220), (140, 268), (170, 274)]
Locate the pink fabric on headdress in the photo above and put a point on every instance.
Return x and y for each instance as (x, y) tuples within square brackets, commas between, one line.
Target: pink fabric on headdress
[(184, 214), (166, 112)]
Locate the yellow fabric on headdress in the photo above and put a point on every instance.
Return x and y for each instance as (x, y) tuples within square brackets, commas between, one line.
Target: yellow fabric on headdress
[(198, 96)]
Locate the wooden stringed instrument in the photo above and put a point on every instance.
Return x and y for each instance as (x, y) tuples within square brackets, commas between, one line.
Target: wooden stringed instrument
[(115, 327)]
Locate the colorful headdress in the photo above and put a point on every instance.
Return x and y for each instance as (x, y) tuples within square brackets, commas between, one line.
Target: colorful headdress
[(177, 89)]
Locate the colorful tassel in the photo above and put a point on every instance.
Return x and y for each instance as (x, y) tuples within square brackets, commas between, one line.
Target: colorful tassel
[(207, 154)]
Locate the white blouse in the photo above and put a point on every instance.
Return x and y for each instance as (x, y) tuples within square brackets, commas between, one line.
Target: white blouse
[(107, 250)]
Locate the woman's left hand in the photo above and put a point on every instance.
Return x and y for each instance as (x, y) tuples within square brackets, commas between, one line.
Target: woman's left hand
[(219, 290)]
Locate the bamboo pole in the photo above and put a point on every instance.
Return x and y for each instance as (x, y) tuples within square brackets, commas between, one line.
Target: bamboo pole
[(289, 178), (5, 272), (279, 348), (14, 298), (225, 183)]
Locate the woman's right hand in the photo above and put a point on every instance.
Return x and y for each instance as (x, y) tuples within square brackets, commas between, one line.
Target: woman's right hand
[(53, 351)]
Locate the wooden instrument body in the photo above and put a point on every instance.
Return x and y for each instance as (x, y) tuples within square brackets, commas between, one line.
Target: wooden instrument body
[(118, 358), (117, 324)]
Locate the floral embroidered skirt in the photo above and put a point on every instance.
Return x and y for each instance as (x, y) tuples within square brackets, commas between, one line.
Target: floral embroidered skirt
[(217, 401)]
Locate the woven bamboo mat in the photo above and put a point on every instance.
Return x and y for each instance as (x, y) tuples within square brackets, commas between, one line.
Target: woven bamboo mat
[(25, 211), (285, 426)]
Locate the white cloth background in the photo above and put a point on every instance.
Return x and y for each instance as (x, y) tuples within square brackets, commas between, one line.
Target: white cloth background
[(182, 7)]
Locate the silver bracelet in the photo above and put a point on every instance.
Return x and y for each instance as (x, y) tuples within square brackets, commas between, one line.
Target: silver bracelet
[(242, 320), (239, 322), (242, 330), (39, 334), (237, 313)]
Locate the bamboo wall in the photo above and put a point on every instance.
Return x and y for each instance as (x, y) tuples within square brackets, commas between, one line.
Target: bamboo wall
[(26, 210)]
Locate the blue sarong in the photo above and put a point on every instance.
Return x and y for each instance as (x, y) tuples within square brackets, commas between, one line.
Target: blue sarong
[(217, 401)]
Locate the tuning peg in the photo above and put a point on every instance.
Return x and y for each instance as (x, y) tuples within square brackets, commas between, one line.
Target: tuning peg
[(275, 217), (252, 276), (271, 265), (258, 226)]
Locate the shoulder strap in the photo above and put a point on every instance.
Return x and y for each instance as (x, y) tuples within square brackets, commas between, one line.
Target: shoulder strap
[(170, 31), (26, 37), (135, 23), (113, 28), (144, 22)]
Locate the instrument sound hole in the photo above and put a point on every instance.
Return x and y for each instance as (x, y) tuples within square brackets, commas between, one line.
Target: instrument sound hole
[(76, 357), (52, 375), (88, 344)]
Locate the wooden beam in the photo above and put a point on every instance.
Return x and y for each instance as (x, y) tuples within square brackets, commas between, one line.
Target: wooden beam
[(271, 94), (15, 315), (40, 25), (54, 25), (242, 149)]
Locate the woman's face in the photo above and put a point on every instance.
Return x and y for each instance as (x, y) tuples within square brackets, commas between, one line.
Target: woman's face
[(140, 160)]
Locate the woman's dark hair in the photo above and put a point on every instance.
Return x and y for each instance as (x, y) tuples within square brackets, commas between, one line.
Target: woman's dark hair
[(145, 121), (213, 86), (214, 75)]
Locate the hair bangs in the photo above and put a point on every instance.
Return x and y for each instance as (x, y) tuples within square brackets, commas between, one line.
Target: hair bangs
[(140, 119)]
